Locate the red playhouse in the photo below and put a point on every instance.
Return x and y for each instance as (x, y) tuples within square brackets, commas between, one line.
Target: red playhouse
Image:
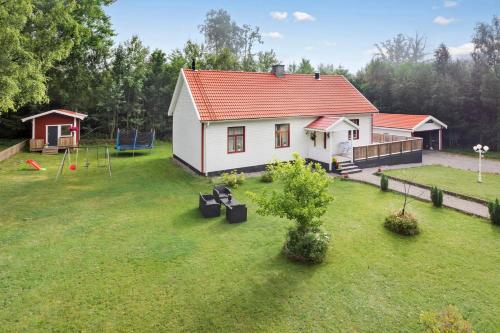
[(54, 130)]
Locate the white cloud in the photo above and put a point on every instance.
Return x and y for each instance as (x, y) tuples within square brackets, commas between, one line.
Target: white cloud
[(461, 50), (309, 48), (328, 44), (450, 3), (302, 16), (273, 35), (279, 16), (441, 20)]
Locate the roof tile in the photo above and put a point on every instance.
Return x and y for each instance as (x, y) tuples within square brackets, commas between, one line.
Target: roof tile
[(231, 95), (401, 121)]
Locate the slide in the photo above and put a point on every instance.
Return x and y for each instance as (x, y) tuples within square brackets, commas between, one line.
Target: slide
[(34, 164)]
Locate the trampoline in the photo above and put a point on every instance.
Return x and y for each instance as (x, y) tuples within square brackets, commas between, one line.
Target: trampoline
[(132, 139)]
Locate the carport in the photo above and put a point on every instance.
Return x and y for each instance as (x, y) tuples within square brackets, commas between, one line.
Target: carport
[(427, 127)]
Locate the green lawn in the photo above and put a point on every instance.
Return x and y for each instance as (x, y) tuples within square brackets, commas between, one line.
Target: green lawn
[(132, 253), (494, 155), (451, 179)]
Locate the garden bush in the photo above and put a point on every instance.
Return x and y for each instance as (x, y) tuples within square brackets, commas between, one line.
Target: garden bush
[(267, 176), (233, 179), (402, 223), (309, 246), (436, 196), (448, 320), (384, 183), (494, 208), (301, 195)]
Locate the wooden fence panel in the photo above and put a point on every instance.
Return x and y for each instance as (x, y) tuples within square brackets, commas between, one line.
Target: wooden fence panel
[(36, 144), (377, 150), (395, 148), (407, 145), (65, 142), (372, 151)]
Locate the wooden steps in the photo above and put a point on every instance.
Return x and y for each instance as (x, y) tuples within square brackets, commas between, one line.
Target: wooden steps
[(348, 168), (50, 150)]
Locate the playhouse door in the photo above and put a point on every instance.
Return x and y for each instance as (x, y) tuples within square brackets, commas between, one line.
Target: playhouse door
[(52, 132)]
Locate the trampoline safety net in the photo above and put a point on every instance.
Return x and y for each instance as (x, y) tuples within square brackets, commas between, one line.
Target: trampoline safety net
[(132, 139)]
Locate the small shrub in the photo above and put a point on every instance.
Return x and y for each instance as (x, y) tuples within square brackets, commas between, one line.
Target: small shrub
[(233, 179), (240, 179), (308, 246), (403, 224), (494, 208), (448, 320), (267, 177), (436, 197), (335, 163), (384, 183)]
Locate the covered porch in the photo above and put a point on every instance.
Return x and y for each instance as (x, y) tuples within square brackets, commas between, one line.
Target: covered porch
[(331, 138)]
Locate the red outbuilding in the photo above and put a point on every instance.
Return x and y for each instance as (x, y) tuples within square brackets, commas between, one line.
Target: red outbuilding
[(56, 129)]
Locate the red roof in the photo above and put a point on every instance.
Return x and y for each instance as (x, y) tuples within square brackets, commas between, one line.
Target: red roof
[(229, 95), (322, 123), (401, 121)]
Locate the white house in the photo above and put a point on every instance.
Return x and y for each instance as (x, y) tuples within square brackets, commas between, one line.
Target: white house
[(225, 120)]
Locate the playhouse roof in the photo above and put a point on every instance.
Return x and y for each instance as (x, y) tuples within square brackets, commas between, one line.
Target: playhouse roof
[(408, 122), (63, 112), (232, 95)]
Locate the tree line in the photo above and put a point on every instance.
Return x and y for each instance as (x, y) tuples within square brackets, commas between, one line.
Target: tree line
[(61, 53)]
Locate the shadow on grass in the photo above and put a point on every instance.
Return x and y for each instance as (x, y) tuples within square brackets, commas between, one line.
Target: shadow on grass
[(125, 154), (261, 301)]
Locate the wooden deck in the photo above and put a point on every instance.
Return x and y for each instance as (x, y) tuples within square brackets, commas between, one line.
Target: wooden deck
[(383, 149), (62, 143)]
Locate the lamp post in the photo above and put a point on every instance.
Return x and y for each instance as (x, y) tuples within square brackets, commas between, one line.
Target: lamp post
[(481, 151)]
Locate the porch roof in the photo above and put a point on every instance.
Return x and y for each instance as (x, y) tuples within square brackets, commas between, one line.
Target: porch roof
[(328, 123)]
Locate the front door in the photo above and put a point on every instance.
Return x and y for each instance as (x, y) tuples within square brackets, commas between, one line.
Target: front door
[(52, 132)]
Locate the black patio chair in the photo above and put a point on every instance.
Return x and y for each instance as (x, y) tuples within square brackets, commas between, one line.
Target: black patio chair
[(236, 213), (221, 191), (209, 207)]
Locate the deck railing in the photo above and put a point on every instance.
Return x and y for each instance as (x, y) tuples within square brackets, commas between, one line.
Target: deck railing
[(378, 150), (66, 142), (62, 142), (381, 138), (36, 144)]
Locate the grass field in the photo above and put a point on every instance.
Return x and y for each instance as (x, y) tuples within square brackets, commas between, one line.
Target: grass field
[(494, 155), (451, 179), (132, 253)]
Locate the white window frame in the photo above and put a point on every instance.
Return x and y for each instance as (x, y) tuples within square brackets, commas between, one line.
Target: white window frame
[(58, 132)]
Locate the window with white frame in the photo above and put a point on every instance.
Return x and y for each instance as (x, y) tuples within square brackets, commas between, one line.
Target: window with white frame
[(65, 130)]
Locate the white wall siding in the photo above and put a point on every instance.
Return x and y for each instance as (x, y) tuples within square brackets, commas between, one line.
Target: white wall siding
[(365, 129), (391, 131), (318, 152), (259, 143), (428, 127), (186, 130)]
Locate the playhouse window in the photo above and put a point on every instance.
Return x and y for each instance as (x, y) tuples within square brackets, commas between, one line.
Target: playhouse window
[(355, 132), (235, 139), (282, 135), (65, 130)]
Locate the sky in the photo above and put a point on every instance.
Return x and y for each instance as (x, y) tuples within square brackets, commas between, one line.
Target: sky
[(330, 32)]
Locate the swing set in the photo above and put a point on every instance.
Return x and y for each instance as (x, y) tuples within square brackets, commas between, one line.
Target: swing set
[(101, 161)]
